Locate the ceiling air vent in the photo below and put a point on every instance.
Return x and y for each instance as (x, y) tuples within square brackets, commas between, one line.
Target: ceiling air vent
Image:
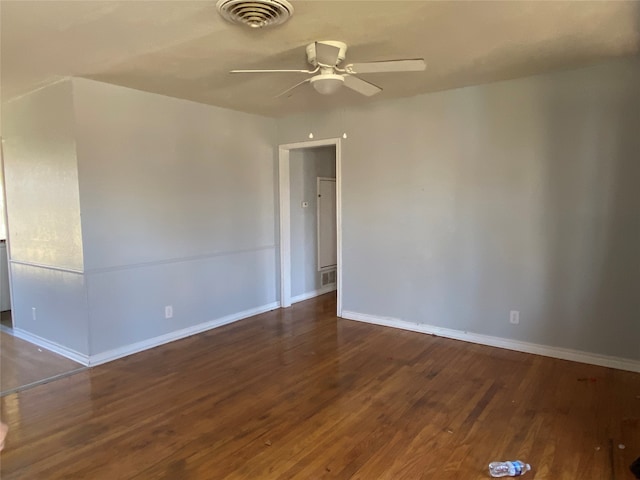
[(257, 13)]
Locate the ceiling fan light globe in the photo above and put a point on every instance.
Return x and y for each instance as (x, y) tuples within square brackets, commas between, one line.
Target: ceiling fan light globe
[(327, 84)]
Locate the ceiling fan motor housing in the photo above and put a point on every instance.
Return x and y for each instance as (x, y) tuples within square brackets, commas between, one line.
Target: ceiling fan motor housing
[(311, 51)]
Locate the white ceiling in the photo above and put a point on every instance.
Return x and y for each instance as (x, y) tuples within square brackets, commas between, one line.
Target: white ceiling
[(184, 49)]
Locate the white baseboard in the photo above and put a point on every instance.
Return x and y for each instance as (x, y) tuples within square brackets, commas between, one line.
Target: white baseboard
[(313, 294), (127, 350), (544, 350), (51, 346)]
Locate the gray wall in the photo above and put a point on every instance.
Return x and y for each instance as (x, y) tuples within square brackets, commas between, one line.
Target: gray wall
[(60, 300), (177, 209), (521, 195), (306, 165), (458, 207), (43, 210), (41, 176)]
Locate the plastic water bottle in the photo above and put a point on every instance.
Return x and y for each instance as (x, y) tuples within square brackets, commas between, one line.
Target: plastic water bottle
[(508, 469)]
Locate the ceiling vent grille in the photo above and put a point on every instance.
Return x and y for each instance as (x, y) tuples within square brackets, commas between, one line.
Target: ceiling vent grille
[(257, 13)]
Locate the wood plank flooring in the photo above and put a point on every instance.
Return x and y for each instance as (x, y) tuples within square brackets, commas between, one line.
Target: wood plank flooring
[(300, 394), (22, 363)]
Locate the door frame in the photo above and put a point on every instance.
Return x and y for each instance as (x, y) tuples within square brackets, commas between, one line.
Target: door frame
[(284, 188)]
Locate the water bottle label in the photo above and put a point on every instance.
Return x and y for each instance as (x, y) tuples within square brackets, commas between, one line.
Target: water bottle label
[(515, 468)]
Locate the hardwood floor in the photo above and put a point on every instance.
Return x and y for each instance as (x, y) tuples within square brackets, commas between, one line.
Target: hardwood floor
[(298, 393), (22, 363)]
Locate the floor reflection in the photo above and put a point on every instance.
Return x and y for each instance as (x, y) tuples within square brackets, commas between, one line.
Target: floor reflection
[(23, 364)]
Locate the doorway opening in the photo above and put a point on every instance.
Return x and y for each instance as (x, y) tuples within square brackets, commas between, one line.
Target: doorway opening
[(6, 320), (310, 220)]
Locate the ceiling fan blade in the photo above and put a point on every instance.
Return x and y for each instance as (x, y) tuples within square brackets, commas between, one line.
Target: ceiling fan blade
[(290, 89), (361, 86), (271, 71), (415, 65), (327, 54)]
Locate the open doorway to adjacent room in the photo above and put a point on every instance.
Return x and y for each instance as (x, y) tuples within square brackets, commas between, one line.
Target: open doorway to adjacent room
[(310, 227)]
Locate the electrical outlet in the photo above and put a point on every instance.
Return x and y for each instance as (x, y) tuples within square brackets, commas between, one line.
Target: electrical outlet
[(168, 311), (514, 317), (33, 313)]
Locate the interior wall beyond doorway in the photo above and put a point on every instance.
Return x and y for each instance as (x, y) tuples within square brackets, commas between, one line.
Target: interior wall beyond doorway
[(306, 165)]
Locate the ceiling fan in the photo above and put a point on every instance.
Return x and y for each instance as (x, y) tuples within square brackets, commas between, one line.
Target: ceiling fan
[(328, 77)]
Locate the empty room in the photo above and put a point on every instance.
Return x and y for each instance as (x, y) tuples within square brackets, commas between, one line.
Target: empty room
[(320, 239)]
